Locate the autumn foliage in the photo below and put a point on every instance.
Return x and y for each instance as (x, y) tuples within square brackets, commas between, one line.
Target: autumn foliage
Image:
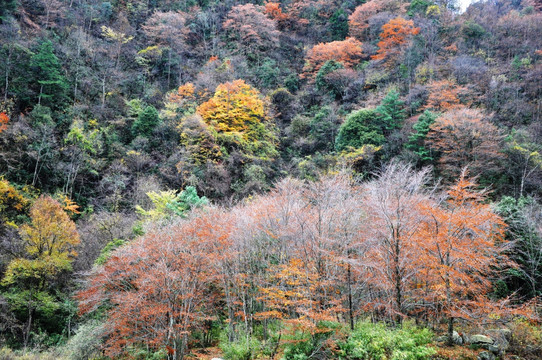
[(395, 35), (347, 52), (274, 11), (4, 119), (358, 21), (304, 254), (237, 114), (443, 95), (250, 29), (464, 137), (461, 241)]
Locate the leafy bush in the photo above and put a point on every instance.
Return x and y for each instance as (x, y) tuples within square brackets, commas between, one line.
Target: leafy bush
[(106, 252), (85, 344), (244, 347), (360, 128), (318, 345), (8, 354), (378, 342), (526, 340)]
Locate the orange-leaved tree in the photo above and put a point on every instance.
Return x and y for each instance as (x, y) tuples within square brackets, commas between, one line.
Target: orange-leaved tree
[(293, 295), (392, 237), (249, 30), (4, 119), (347, 52), (463, 241), (358, 21), (160, 288), (180, 102), (443, 95), (274, 11), (395, 35), (238, 115), (464, 137)]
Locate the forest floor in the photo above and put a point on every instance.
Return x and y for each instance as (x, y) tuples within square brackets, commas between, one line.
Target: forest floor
[(208, 353)]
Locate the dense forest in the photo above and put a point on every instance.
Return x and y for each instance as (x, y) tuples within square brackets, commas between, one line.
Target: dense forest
[(295, 179)]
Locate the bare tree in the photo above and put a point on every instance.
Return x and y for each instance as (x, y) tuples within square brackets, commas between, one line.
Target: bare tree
[(393, 200)]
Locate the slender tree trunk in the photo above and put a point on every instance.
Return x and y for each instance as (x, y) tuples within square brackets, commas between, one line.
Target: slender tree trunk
[(28, 328), (6, 86), (451, 330), (35, 178), (169, 69), (103, 91), (350, 305), (448, 306), (397, 273), (41, 92)]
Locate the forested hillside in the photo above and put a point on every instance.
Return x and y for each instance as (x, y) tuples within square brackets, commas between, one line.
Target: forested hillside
[(297, 179)]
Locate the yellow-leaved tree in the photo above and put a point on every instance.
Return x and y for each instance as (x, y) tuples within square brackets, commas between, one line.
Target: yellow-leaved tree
[(236, 113), (50, 240)]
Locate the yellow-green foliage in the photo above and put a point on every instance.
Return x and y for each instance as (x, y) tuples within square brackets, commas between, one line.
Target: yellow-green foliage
[(50, 239), (237, 115), (113, 35), (160, 201), (12, 201), (171, 203)]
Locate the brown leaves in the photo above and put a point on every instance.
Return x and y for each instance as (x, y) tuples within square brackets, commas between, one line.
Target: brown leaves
[(297, 255), (443, 95), (393, 38), (4, 119), (464, 137), (160, 285), (358, 21), (348, 52), (461, 243), (250, 29)]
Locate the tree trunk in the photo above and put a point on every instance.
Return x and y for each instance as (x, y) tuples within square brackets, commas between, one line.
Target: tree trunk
[(451, 330), (35, 178), (28, 327), (350, 305), (6, 86), (41, 92), (103, 92), (169, 70)]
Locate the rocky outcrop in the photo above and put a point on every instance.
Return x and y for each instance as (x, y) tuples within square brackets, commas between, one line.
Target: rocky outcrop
[(486, 355), (456, 338), (480, 339)]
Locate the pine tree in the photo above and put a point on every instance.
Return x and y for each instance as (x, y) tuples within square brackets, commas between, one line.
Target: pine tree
[(391, 111), (48, 74), (146, 122), (6, 6), (416, 140)]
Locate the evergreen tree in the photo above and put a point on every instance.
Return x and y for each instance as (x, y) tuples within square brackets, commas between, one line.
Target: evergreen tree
[(146, 122), (339, 25), (6, 6), (391, 111), (48, 74), (329, 67), (416, 140), (359, 129)]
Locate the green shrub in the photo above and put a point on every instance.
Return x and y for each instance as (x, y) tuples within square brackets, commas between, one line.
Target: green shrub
[(244, 347), (360, 128), (304, 345), (106, 252), (378, 342), (526, 339), (86, 343)]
